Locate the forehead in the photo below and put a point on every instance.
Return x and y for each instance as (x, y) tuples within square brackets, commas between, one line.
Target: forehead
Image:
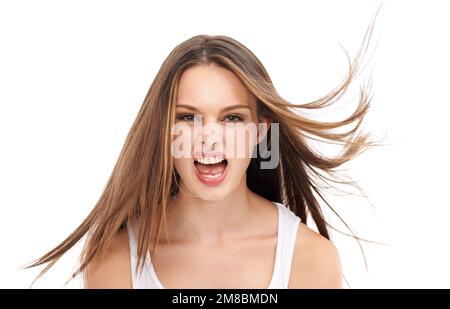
[(207, 86)]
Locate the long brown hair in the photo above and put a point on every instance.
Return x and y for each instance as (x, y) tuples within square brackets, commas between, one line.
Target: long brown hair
[(143, 178)]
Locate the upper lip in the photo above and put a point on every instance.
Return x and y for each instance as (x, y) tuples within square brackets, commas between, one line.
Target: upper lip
[(211, 154)]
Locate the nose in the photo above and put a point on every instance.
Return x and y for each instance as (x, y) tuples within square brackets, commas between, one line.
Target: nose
[(210, 138)]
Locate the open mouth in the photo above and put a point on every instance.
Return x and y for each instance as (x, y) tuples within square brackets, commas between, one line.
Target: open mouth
[(211, 171)]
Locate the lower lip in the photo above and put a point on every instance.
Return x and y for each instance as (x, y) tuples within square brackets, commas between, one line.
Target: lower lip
[(211, 181)]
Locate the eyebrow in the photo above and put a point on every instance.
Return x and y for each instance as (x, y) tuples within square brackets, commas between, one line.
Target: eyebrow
[(223, 110)]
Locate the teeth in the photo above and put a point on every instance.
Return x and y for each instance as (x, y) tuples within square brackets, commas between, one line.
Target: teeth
[(210, 160)]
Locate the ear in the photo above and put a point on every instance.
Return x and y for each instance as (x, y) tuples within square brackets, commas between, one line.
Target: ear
[(263, 127)]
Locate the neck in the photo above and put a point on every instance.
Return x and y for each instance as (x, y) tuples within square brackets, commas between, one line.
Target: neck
[(191, 219)]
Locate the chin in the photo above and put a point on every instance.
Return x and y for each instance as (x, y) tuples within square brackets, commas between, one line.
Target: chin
[(210, 194), (204, 196)]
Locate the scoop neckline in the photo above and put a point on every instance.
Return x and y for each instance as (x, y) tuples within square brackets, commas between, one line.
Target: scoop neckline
[(277, 255)]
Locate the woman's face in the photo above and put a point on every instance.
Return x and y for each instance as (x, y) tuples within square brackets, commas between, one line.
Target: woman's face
[(215, 132)]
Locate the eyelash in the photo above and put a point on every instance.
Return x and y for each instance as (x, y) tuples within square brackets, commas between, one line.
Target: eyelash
[(181, 117)]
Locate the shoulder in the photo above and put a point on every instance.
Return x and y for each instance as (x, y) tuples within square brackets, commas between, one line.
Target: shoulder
[(113, 270), (316, 262)]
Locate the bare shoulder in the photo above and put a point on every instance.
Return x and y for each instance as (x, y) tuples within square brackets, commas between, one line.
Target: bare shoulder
[(113, 270), (316, 262)]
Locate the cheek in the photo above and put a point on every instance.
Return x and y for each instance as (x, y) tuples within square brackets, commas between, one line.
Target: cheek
[(238, 167), (240, 143), (183, 166), (182, 141)]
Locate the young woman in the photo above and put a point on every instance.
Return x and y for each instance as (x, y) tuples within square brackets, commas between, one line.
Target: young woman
[(212, 218)]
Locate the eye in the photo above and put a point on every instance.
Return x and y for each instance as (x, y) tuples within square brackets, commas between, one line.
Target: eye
[(233, 118), (188, 117)]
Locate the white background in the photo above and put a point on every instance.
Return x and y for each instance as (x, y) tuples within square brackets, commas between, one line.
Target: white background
[(73, 76)]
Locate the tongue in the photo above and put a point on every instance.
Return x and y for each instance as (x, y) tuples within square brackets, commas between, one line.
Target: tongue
[(211, 169)]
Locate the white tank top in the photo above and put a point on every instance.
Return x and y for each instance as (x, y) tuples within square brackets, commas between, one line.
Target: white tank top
[(287, 230)]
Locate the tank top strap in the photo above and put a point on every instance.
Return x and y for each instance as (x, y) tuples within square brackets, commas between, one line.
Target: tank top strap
[(289, 223), (140, 280)]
